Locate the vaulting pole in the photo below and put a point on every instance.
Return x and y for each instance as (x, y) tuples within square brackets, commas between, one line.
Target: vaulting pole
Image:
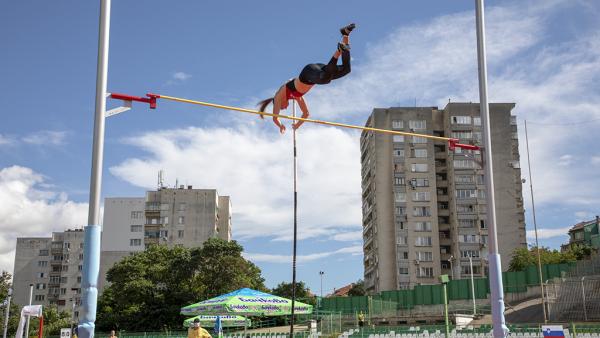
[(295, 222), (497, 293)]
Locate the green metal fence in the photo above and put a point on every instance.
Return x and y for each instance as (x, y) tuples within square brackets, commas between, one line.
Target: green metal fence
[(458, 289)]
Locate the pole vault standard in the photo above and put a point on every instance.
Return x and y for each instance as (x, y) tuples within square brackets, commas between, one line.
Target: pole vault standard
[(499, 327)]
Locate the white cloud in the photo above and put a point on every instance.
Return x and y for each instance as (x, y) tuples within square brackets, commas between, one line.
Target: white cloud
[(549, 233), (26, 210), (565, 160), (595, 160), (286, 259), (178, 77), (5, 140), (348, 236), (255, 168), (45, 137)]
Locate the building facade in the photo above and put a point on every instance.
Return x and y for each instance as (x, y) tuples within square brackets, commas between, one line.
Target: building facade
[(53, 265), (168, 216), (586, 233), (424, 209)]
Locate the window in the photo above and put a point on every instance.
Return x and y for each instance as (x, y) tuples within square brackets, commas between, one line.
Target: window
[(462, 135), (421, 196), (420, 153), (42, 263), (67, 245), (54, 279), (400, 211), (56, 268), (40, 286), (399, 181), (63, 291), (479, 179), (422, 226), (398, 138), (465, 164), (419, 139), (180, 220), (136, 228), (419, 182), (65, 268), (421, 211), (480, 193), (182, 206), (417, 124), (466, 223), (163, 234), (180, 233), (403, 271), (397, 124), (398, 152), (39, 298), (419, 167), (400, 196), (80, 245), (57, 257), (466, 269), (484, 239), (423, 241), (482, 224), (78, 279), (477, 121), (424, 256), (80, 256), (465, 208), (468, 238), (63, 280), (44, 252), (135, 242), (401, 240), (40, 275), (469, 253), (80, 268), (466, 193), (477, 136), (423, 271), (464, 179), (461, 119), (137, 214)]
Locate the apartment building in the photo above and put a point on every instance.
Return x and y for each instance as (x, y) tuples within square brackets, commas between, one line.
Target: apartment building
[(53, 265), (424, 208), (168, 216)]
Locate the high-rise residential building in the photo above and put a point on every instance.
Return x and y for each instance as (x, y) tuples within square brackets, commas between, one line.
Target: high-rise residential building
[(53, 265), (167, 216), (424, 207)]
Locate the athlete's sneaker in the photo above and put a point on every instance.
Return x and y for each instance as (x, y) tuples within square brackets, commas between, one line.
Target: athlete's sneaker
[(347, 29)]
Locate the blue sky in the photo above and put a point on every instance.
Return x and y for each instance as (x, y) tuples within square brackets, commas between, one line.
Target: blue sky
[(543, 55)]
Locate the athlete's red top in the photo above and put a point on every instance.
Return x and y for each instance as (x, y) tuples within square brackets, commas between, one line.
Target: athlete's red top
[(291, 92)]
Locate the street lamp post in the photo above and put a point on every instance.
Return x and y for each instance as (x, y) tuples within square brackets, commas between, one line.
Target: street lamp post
[(451, 266), (472, 285), (321, 273), (7, 312)]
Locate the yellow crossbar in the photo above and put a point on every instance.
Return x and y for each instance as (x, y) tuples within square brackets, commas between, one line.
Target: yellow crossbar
[(335, 124)]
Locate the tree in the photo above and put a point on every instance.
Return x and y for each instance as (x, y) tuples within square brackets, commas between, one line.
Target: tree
[(523, 257), (149, 288), (15, 311), (303, 293), (358, 289)]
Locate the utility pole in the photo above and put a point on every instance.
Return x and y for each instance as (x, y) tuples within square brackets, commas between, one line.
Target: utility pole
[(472, 285)]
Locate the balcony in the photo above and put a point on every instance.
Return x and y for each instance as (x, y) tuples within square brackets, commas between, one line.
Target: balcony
[(442, 198), (443, 212), (441, 183)]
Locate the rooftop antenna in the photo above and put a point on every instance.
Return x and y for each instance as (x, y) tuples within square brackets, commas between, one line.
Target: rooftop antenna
[(160, 179)]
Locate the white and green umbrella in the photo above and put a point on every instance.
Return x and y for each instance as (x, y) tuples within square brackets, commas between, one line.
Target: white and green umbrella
[(226, 321), (247, 302)]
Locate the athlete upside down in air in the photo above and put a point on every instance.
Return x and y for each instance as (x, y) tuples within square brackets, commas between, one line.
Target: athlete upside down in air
[(312, 74)]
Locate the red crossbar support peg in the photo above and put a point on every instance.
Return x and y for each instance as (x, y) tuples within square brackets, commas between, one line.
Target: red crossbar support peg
[(150, 100), (453, 144)]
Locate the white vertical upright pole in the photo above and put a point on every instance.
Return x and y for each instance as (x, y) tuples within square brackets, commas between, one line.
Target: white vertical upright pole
[(91, 256), (497, 293), (295, 223), (28, 316)]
